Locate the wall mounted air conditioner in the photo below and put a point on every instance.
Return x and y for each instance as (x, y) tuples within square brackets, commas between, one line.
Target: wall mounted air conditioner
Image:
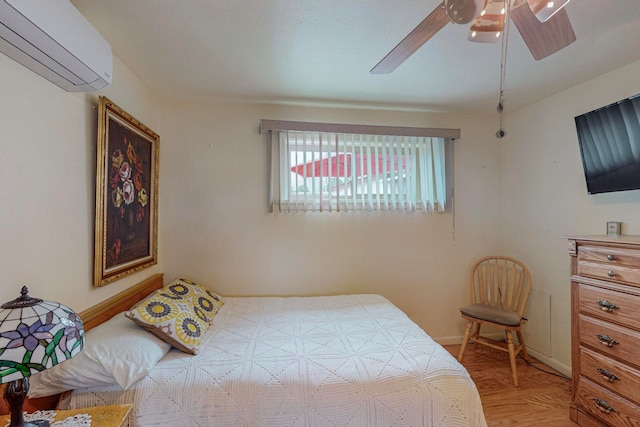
[(52, 38)]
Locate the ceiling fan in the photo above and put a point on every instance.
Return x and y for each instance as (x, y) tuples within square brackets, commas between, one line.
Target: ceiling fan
[(543, 24)]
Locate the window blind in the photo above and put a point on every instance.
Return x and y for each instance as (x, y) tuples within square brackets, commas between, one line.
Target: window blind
[(331, 168)]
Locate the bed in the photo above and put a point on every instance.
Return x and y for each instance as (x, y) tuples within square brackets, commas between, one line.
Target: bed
[(350, 360)]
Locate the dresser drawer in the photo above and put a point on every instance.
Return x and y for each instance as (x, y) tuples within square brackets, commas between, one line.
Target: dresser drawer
[(594, 332), (608, 263), (611, 374), (612, 273), (593, 301), (609, 256), (605, 405)]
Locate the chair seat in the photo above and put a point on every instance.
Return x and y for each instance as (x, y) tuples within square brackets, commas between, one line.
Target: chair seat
[(491, 314)]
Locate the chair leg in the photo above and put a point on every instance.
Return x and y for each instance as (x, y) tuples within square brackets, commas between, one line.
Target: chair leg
[(512, 359), (476, 332), (465, 340), (525, 355)]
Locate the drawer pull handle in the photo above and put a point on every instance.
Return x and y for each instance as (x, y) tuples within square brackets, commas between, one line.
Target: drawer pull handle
[(606, 305), (608, 375), (611, 273), (603, 406), (610, 257), (606, 340)]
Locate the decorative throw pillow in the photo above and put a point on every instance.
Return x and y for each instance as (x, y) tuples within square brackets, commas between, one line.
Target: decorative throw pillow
[(172, 318), (205, 303)]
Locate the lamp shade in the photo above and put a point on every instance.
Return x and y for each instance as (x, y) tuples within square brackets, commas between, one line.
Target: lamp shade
[(36, 335), (488, 26), (545, 9)]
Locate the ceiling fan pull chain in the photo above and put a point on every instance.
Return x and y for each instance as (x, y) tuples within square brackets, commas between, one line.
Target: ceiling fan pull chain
[(503, 68)]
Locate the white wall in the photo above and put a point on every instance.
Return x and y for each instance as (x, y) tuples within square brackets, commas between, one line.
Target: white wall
[(214, 224), (545, 195), (47, 181), (216, 228)]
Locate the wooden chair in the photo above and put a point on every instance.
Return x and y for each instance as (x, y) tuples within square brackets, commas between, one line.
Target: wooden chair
[(500, 289)]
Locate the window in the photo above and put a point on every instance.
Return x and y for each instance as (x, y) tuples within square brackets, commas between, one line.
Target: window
[(337, 168)]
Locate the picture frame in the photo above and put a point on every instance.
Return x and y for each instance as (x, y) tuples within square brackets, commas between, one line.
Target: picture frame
[(126, 220), (613, 228)]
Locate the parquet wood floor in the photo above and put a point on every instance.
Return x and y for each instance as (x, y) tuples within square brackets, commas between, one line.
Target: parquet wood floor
[(541, 400)]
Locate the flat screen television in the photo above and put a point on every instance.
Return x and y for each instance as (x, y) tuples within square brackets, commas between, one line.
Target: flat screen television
[(609, 140)]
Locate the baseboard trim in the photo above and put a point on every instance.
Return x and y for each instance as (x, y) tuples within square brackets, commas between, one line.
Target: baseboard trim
[(448, 340), (549, 361), (457, 340)]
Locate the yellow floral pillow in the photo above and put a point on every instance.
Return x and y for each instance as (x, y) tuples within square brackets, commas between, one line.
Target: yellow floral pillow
[(173, 320), (205, 303)]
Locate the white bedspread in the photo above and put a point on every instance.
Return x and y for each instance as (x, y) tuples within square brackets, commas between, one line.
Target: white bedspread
[(354, 360)]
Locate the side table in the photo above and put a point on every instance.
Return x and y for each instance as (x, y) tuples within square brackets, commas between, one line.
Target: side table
[(101, 416)]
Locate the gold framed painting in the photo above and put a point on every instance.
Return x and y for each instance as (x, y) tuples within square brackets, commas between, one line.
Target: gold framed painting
[(126, 230)]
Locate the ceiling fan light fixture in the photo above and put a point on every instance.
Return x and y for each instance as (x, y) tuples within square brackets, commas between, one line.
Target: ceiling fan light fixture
[(545, 9), (463, 11), (488, 26)]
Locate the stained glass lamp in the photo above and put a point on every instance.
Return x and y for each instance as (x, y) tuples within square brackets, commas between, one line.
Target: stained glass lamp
[(34, 335)]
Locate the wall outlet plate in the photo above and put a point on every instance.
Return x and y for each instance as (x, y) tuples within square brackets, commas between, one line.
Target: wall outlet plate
[(613, 227)]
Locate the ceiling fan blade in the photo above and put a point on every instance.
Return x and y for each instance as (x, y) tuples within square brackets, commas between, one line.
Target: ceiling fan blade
[(543, 38), (413, 41)]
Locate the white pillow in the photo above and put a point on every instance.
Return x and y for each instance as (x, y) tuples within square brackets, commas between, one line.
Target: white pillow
[(115, 352)]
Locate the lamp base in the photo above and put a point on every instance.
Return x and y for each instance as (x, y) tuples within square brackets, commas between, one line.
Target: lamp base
[(14, 393)]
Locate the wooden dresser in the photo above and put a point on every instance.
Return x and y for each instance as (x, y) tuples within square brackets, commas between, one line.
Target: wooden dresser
[(605, 330)]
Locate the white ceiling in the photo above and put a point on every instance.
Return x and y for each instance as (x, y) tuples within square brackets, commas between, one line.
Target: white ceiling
[(321, 51)]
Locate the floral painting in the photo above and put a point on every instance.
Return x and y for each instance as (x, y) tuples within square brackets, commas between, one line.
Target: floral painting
[(126, 197)]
